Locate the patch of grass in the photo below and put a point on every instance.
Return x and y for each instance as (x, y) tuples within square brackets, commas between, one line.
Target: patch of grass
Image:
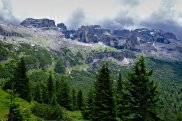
[(75, 115), (4, 106), (4, 103)]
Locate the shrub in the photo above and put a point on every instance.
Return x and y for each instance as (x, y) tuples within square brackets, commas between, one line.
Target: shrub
[(48, 112)]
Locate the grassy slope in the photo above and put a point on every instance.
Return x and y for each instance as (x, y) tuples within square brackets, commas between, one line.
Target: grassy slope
[(75, 115), (4, 105)]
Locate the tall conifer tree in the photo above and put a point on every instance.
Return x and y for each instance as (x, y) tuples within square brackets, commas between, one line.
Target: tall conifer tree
[(121, 98), (50, 87), (20, 81), (88, 108), (74, 99), (63, 95), (143, 92), (80, 100), (104, 106)]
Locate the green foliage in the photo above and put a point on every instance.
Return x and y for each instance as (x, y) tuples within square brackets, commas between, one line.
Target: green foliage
[(32, 62), (14, 113), (7, 69), (35, 57), (20, 81), (5, 51), (63, 94), (80, 100), (87, 112), (48, 112), (79, 57), (37, 93), (50, 87), (74, 99), (104, 106), (166, 74), (60, 67), (38, 76), (143, 93), (121, 98), (54, 100)]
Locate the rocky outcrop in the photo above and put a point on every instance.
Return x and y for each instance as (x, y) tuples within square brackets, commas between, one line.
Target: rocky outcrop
[(38, 23), (89, 34), (109, 54), (95, 34), (121, 34), (9, 33), (62, 27), (70, 34), (132, 43)]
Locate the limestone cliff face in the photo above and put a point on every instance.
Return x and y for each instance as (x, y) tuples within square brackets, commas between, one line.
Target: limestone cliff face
[(129, 43), (38, 23)]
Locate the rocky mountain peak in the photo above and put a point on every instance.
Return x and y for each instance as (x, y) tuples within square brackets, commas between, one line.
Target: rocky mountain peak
[(38, 23), (150, 42)]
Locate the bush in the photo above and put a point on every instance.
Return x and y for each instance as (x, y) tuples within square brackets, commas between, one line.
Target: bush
[(48, 112)]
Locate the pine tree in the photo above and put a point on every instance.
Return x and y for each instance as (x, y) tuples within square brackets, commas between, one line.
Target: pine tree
[(14, 111), (119, 86), (104, 105), (54, 100), (20, 81), (80, 100), (50, 87), (88, 108), (45, 94), (143, 92), (38, 96), (63, 96), (74, 99), (120, 100)]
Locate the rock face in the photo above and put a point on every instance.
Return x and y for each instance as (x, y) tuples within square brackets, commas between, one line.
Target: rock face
[(62, 27), (121, 34), (132, 43), (92, 34), (38, 23), (138, 40), (9, 33), (152, 42)]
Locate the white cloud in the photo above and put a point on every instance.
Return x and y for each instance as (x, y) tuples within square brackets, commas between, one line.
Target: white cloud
[(6, 14)]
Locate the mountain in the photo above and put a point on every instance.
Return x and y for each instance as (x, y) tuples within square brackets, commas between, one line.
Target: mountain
[(154, 43), (45, 44)]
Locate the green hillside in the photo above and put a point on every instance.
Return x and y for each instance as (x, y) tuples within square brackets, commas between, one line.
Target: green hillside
[(79, 69)]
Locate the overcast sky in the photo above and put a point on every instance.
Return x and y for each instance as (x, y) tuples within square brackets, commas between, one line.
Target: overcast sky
[(129, 14)]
